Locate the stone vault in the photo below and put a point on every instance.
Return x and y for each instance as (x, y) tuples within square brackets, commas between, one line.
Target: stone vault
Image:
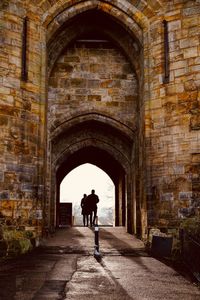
[(114, 83)]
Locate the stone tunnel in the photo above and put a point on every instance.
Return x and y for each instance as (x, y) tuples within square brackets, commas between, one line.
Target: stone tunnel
[(113, 83)]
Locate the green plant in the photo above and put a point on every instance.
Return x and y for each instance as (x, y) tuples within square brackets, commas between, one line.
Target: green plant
[(12, 234), (28, 234), (25, 245), (192, 227)]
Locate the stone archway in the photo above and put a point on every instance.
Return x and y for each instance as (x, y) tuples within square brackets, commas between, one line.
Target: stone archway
[(163, 109), (94, 99), (105, 162), (93, 147)]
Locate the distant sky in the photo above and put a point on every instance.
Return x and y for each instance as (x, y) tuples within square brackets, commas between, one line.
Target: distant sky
[(82, 180)]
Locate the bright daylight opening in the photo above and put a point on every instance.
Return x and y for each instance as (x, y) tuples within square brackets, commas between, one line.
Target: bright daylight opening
[(81, 181)]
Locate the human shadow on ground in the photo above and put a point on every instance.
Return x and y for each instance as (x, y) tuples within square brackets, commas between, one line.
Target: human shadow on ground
[(120, 247)]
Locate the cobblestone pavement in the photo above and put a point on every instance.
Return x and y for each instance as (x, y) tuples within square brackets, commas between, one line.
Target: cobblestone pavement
[(64, 268)]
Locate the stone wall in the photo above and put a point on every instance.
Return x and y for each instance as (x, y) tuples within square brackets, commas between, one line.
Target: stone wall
[(21, 114), (93, 77), (94, 84), (172, 114), (87, 79)]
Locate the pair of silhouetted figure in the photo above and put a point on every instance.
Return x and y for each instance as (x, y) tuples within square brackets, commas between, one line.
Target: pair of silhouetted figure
[(89, 207)]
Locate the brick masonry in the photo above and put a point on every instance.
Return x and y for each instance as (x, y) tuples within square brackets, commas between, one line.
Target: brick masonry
[(87, 79), (125, 88)]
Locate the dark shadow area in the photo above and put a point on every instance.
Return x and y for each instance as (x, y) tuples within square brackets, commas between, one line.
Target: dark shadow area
[(29, 276), (121, 248), (94, 156), (103, 27), (72, 244), (179, 266), (124, 249), (26, 276)]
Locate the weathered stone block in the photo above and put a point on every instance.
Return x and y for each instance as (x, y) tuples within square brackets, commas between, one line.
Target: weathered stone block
[(78, 83), (111, 84), (1, 176), (185, 196), (191, 11), (64, 67), (195, 122), (190, 85), (71, 59), (93, 83), (178, 65), (195, 69), (131, 98), (94, 97), (167, 197), (196, 158), (53, 82), (190, 22), (96, 68), (179, 72), (4, 195), (187, 43), (112, 103), (3, 121), (27, 187), (190, 52), (4, 90)]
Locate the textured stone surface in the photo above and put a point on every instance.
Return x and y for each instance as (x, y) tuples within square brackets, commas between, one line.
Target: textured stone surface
[(127, 91), (21, 111), (65, 268), (174, 121), (87, 79)]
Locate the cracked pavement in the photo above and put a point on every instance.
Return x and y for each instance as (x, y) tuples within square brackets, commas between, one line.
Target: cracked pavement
[(64, 268)]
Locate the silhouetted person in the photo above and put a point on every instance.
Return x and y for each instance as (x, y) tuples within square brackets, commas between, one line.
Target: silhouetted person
[(85, 211), (92, 201)]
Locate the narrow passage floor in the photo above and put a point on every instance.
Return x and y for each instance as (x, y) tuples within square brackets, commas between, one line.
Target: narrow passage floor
[(65, 268)]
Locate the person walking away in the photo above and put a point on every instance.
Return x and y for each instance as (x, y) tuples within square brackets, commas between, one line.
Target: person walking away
[(84, 211), (92, 200)]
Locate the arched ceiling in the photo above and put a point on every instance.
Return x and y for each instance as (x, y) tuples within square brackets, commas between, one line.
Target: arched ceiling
[(132, 15), (95, 23), (126, 20), (91, 134), (74, 142), (94, 119), (136, 9), (95, 156)]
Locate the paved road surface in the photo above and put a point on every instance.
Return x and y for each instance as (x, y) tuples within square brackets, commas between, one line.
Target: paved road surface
[(64, 268)]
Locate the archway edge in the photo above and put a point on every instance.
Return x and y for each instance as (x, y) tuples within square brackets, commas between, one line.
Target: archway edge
[(91, 155), (120, 158), (76, 165), (142, 10), (66, 124), (125, 13), (107, 164), (115, 32)]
